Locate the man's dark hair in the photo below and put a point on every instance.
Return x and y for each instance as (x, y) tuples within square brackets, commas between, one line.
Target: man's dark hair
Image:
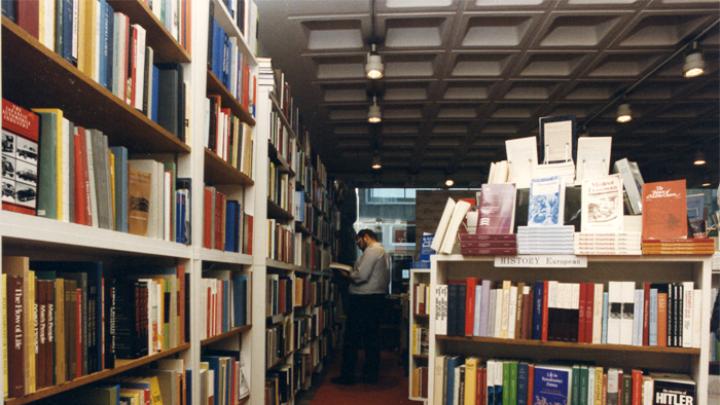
[(361, 233)]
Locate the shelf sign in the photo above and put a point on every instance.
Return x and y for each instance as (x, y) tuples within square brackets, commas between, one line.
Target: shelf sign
[(542, 261)]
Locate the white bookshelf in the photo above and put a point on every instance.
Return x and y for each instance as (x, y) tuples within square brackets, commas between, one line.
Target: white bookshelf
[(600, 269), (417, 276)]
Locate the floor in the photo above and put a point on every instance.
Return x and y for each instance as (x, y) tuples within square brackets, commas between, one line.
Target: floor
[(392, 389)]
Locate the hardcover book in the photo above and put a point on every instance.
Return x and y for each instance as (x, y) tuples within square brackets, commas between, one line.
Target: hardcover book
[(602, 205), (673, 389), (552, 385), (497, 209), (546, 202), (20, 147), (664, 210)]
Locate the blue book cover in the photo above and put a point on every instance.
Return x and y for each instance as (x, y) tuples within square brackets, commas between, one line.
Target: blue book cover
[(537, 310), (551, 385), (217, 52), (102, 42), (605, 308), (178, 218), (214, 364), (239, 299), (638, 318), (121, 187), (109, 44), (188, 383), (522, 383), (67, 31), (8, 9), (226, 306), (58, 27), (545, 202), (230, 220), (652, 333), (155, 92), (452, 363)]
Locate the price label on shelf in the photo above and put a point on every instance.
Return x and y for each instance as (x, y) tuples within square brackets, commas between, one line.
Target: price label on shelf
[(542, 261)]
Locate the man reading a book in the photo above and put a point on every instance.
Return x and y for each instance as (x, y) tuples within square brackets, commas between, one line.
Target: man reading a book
[(369, 281)]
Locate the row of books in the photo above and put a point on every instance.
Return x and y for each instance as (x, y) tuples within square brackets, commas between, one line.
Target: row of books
[(281, 241), (226, 226), (312, 324), (222, 379), (419, 339), (55, 169), (109, 49), (311, 291), (278, 342), (287, 105), (421, 295), (305, 365), (84, 318), (245, 15), (227, 62), (279, 295), (229, 137), (224, 295), (468, 381), (419, 382), (281, 187), (168, 382), (280, 386), (657, 314), (281, 139)]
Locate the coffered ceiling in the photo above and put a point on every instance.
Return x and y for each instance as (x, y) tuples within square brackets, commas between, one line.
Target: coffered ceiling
[(463, 76)]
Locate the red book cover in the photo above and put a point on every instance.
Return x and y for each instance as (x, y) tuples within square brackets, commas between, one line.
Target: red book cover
[(636, 387), (646, 314), (662, 302), (497, 209), (531, 384), (134, 52), (664, 213), (248, 234), (526, 315), (589, 304), (28, 16), (545, 312), (207, 217), (21, 134), (41, 330), (219, 224), (489, 251), (246, 85), (208, 331), (480, 386), (582, 313), (470, 284), (620, 384), (83, 210), (78, 334)]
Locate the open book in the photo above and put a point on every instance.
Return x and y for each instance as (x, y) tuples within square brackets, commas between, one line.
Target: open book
[(344, 269)]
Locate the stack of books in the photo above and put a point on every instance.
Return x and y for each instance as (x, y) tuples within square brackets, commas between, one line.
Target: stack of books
[(546, 240), (621, 243), (702, 246), (488, 244)]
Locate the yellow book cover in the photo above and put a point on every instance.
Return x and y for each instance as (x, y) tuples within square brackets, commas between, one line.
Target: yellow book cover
[(60, 365), (471, 365), (111, 164), (504, 320), (59, 152), (163, 326), (87, 37), (598, 386), (3, 336), (155, 394), (133, 396), (46, 26)]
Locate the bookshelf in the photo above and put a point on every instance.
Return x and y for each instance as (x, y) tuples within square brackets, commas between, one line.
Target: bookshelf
[(600, 269), (417, 319)]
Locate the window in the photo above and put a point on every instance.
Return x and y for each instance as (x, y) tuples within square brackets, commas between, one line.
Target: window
[(390, 196)]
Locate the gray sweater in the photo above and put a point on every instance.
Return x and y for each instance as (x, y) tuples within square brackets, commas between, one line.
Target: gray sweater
[(371, 273)]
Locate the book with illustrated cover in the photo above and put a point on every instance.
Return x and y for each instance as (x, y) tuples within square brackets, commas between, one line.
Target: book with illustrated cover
[(602, 204), (552, 385), (664, 210), (20, 138), (546, 202), (497, 209)]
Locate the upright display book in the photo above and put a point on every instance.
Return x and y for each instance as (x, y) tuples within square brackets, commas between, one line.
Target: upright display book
[(602, 204), (671, 389), (20, 138), (696, 214), (497, 209), (664, 210), (593, 157), (546, 202), (521, 160)]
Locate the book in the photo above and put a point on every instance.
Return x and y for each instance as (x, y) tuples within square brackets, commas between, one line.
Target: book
[(696, 214), (546, 202), (458, 215), (633, 184), (664, 210), (443, 224), (497, 209), (593, 157), (521, 160), (673, 389), (602, 205), (20, 147), (552, 385)]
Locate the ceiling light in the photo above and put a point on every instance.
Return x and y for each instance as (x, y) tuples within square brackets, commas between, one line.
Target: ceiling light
[(376, 162), (374, 113), (449, 182), (699, 158), (706, 184), (624, 115), (374, 68), (694, 63)]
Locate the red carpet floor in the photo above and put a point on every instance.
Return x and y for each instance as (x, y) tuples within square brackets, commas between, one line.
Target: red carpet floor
[(392, 388)]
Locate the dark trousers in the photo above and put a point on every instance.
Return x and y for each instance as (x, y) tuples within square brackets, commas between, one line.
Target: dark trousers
[(363, 329)]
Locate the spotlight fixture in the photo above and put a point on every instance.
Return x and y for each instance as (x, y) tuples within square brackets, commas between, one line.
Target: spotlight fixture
[(699, 159), (449, 182), (374, 112), (376, 162), (624, 114), (706, 184), (694, 63), (374, 68)]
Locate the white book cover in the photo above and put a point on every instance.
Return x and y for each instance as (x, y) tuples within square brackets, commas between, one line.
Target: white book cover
[(441, 309), (456, 386), (471, 219), (614, 312), (505, 309), (512, 312), (687, 314), (593, 157), (498, 313), (478, 309), (638, 318), (557, 139), (546, 202), (602, 205), (521, 159), (47, 10), (564, 170), (484, 307), (498, 374), (439, 388), (591, 386), (696, 318), (461, 209), (139, 66), (150, 62), (648, 386), (628, 312), (443, 224), (597, 313), (67, 142), (501, 172), (633, 190), (491, 173), (490, 309)]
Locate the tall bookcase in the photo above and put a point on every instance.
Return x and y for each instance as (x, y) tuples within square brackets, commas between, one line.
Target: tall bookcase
[(600, 269), (38, 77), (417, 320)]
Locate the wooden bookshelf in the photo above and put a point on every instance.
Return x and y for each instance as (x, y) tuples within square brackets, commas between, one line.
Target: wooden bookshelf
[(226, 335), (274, 211), (215, 86), (166, 48), (420, 356), (34, 75), (218, 171), (121, 367), (552, 345)]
